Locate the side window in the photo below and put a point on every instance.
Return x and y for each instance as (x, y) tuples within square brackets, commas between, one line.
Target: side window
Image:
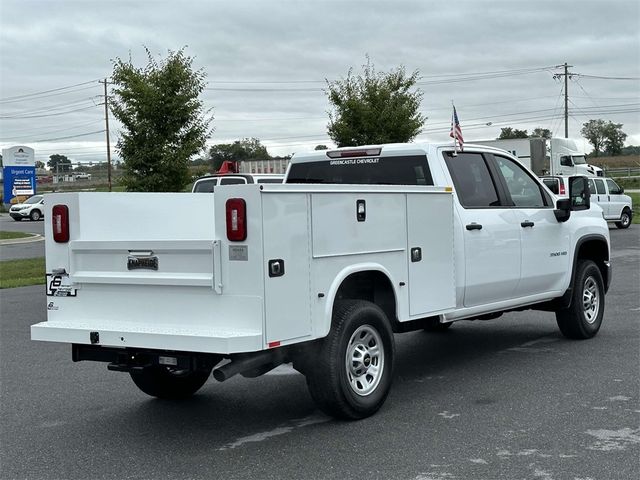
[(614, 188), (600, 187), (524, 190), (592, 187), (552, 183), (473, 182), (566, 161), (232, 181)]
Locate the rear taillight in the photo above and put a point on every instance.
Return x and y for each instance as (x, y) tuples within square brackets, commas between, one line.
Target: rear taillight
[(562, 190), (236, 219), (60, 222)]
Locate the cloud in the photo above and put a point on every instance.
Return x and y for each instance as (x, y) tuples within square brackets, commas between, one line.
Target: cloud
[(298, 44)]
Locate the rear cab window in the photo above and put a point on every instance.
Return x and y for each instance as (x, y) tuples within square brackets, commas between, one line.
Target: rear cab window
[(552, 183), (205, 186), (232, 181), (384, 170)]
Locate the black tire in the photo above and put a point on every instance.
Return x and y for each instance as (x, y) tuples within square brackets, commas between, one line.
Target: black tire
[(583, 318), (35, 215), (625, 219), (435, 326), (164, 382), (351, 375)]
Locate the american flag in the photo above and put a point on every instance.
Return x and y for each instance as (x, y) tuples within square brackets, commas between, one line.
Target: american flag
[(456, 131)]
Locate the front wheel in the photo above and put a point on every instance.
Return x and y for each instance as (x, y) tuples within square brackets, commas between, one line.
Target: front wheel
[(625, 219), (351, 375), (169, 383), (583, 318)]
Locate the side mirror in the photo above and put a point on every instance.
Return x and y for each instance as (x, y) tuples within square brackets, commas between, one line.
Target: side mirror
[(621, 190), (563, 210), (579, 193)]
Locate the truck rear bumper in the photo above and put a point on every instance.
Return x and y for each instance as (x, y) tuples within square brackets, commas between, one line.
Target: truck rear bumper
[(223, 341)]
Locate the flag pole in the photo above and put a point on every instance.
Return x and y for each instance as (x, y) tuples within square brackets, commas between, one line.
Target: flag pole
[(453, 131)]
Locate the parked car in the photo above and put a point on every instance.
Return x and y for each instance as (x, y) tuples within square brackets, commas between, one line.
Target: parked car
[(82, 176), (32, 208), (207, 184), (616, 207)]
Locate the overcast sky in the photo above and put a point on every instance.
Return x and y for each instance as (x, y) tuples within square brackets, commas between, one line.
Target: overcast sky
[(267, 61)]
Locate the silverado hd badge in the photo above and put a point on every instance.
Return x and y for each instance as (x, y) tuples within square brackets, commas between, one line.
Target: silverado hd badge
[(142, 260)]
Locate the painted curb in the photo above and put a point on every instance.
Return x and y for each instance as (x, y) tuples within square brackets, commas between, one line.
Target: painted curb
[(15, 241)]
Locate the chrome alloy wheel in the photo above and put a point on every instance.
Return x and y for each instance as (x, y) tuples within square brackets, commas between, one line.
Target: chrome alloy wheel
[(590, 300), (625, 220), (364, 360)]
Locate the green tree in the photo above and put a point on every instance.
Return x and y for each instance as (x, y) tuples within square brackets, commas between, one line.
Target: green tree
[(595, 133), (244, 149), (39, 164), (165, 123), (374, 107), (541, 133), (321, 147), (614, 138), (508, 132), (59, 163)]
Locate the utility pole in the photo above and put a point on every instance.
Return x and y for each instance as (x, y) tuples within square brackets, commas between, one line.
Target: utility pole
[(566, 76), (106, 121)]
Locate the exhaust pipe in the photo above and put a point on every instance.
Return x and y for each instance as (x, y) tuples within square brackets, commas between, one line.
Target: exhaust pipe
[(249, 361)]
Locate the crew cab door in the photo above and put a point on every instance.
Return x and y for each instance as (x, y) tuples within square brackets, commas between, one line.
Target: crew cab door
[(544, 241), (490, 234)]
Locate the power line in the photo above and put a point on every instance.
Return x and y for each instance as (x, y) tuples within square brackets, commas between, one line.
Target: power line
[(49, 108), (68, 137), (20, 97), (48, 115), (602, 77)]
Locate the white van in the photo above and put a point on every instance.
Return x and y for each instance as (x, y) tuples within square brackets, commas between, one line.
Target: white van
[(616, 207)]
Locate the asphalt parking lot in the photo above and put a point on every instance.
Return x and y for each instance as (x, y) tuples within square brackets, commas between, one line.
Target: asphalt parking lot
[(503, 399)]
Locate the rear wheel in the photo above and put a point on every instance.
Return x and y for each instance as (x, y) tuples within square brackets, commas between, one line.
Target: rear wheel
[(350, 375), (625, 219), (584, 317), (35, 215), (169, 383)]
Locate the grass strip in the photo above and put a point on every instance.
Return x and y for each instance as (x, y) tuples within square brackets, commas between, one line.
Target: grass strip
[(21, 273), (13, 235)]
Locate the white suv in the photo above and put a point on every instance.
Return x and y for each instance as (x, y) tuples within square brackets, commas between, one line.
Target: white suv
[(32, 208), (616, 207)]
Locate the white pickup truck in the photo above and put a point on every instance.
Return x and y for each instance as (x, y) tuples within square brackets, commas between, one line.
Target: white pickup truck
[(359, 244)]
